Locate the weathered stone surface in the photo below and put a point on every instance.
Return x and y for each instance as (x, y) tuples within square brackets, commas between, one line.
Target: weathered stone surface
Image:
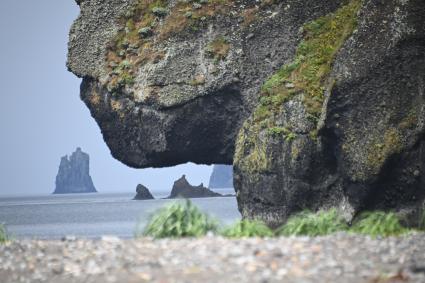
[(188, 103), (221, 177), (143, 193), (182, 189), (184, 92), (74, 175), (369, 149)]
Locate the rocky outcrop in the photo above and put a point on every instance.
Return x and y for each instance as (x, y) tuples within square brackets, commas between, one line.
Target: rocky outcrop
[(182, 189), (221, 177), (181, 92), (354, 139), (143, 193), (74, 175), (317, 103)]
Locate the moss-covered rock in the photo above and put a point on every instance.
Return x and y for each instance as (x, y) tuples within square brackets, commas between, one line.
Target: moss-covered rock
[(196, 79), (318, 103), (357, 142)]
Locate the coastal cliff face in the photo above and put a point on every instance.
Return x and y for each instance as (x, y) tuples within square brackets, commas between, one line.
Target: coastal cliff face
[(343, 124), (317, 103), (73, 175)]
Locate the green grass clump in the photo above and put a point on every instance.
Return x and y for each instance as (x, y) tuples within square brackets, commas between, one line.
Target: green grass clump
[(180, 219), (247, 228), (183, 219), (313, 224), (378, 223), (4, 236)]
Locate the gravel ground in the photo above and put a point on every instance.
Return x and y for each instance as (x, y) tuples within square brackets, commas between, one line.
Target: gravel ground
[(336, 258)]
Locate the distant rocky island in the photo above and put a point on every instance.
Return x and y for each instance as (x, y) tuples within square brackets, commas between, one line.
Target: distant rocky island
[(74, 174), (142, 193), (182, 189), (221, 177)]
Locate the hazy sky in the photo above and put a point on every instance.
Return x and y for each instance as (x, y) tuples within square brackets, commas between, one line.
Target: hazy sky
[(42, 117)]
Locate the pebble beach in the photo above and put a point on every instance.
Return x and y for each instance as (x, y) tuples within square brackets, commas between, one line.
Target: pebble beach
[(339, 257)]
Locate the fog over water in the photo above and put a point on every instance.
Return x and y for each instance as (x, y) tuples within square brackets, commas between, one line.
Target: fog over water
[(42, 117)]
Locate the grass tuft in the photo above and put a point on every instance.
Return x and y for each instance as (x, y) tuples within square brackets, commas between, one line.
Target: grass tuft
[(180, 219), (313, 224), (183, 219), (378, 223), (4, 236), (247, 228)]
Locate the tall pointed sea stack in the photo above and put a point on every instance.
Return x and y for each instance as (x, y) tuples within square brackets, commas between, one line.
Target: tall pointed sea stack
[(74, 175)]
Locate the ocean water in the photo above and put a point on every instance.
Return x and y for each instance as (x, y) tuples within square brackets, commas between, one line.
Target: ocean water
[(94, 215)]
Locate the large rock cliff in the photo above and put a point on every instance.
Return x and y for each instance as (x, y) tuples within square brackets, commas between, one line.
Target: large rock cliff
[(343, 124), (73, 175), (317, 103)]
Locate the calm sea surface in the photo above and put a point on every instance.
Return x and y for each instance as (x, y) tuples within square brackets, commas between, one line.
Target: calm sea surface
[(94, 215)]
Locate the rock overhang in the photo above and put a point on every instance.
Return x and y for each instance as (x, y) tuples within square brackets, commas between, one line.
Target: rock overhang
[(161, 100), (170, 82)]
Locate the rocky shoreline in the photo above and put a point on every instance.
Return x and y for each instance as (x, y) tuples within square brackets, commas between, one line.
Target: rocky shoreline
[(336, 258)]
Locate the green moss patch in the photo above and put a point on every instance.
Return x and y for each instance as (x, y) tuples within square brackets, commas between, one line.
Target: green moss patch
[(308, 74), (378, 152), (250, 153)]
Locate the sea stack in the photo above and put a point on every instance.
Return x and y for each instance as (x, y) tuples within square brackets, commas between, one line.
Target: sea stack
[(143, 193), (182, 189), (221, 177), (74, 174)]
